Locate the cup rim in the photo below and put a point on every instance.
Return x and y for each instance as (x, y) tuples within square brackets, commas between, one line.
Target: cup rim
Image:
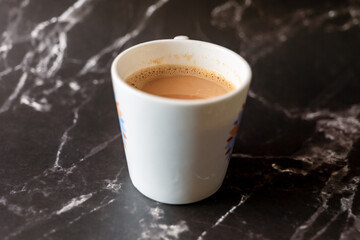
[(244, 81)]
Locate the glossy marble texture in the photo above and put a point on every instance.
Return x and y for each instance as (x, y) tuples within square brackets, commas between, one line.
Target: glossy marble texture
[(295, 170)]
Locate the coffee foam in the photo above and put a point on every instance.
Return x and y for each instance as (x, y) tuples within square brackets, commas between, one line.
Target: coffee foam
[(143, 76)]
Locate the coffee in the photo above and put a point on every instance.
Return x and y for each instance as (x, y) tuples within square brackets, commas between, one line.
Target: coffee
[(180, 82)]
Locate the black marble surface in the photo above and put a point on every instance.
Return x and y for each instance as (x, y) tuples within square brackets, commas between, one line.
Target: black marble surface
[(295, 170)]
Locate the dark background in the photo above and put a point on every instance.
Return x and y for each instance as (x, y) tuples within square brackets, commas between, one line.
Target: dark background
[(295, 170)]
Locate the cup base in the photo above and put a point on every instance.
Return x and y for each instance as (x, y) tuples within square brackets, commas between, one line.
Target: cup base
[(185, 200)]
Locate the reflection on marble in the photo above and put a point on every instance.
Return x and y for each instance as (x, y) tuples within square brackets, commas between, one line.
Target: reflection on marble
[(295, 170)]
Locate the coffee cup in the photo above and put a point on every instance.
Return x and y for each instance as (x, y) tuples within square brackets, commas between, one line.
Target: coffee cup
[(178, 150)]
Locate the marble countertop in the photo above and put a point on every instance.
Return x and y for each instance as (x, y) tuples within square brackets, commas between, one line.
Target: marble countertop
[(295, 170)]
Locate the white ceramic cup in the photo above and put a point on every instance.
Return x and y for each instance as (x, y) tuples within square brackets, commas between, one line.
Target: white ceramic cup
[(178, 151)]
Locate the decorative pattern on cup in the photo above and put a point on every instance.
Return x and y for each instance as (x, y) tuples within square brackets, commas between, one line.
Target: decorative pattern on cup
[(121, 120), (231, 140)]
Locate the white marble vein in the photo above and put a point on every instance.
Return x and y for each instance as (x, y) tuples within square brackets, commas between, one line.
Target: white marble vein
[(74, 202), (100, 147), (223, 217), (341, 127), (64, 138), (104, 203), (7, 104), (91, 64), (53, 44), (155, 228), (47, 54), (220, 16), (110, 184), (161, 230), (334, 185), (47, 216), (289, 170), (256, 44), (273, 106), (41, 106), (114, 185), (353, 231), (10, 35), (156, 212), (15, 208)]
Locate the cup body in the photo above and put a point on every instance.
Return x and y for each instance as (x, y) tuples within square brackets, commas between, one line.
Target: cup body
[(178, 151)]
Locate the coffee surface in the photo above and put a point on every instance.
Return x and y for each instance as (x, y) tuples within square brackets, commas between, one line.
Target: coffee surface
[(180, 82)]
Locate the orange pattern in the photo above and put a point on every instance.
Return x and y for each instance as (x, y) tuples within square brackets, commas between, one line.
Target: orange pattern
[(121, 120), (231, 140), (118, 110)]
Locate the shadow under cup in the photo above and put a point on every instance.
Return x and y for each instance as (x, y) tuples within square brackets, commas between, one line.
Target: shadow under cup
[(178, 151)]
